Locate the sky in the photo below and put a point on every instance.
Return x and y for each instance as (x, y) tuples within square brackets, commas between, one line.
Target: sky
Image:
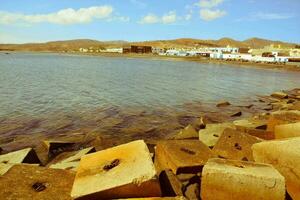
[(23, 21)]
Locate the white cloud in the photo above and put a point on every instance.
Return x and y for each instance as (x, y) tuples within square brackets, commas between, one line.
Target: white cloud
[(210, 3), (150, 19), (167, 18), (271, 16), (209, 15), (65, 16), (188, 17)]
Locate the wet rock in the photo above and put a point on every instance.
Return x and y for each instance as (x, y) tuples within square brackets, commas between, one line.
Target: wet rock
[(170, 184), (192, 191), (287, 130), (235, 145), (231, 179), (223, 104), (246, 124), (200, 123), (236, 114), (123, 171), (32, 182), (27, 155), (182, 156), (211, 134), (280, 95), (284, 155), (187, 133), (282, 117)]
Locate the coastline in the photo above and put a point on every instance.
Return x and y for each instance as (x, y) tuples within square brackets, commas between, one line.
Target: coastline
[(267, 66)]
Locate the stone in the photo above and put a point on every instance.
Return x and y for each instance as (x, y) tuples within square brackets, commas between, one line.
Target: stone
[(170, 184), (236, 114), (284, 155), (124, 171), (185, 177), (235, 145), (282, 117), (280, 95), (192, 191), (287, 130), (223, 104), (187, 133), (245, 124), (210, 135), (200, 123), (27, 155), (231, 179), (28, 182), (295, 106), (182, 156)]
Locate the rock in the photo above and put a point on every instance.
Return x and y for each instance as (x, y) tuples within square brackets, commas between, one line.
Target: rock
[(246, 124), (279, 95), (284, 155), (170, 184), (235, 145), (223, 104), (192, 191), (236, 114), (27, 155), (287, 130), (1, 150), (185, 177), (123, 171), (182, 156), (295, 106), (212, 132), (187, 133), (28, 182), (282, 117), (200, 123), (231, 179)]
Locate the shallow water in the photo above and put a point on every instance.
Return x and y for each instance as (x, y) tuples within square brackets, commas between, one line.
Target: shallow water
[(40, 91)]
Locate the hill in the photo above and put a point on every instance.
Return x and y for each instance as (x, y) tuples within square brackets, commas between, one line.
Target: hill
[(74, 45)]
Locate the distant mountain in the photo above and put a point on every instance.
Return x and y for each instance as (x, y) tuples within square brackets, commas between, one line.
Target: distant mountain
[(73, 45)]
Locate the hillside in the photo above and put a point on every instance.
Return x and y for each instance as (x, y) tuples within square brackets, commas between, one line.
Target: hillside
[(74, 45)]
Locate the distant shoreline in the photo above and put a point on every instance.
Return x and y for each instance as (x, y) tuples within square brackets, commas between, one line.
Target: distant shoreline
[(269, 66)]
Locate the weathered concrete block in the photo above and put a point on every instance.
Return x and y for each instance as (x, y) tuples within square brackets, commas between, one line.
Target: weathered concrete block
[(123, 171), (230, 179), (65, 165), (283, 117), (211, 134), (182, 156), (287, 130), (187, 133), (5, 167), (235, 145), (27, 155), (284, 155), (246, 124), (28, 182), (279, 95), (263, 134), (170, 184)]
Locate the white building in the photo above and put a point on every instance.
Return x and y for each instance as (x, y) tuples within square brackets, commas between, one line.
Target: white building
[(83, 50), (112, 50)]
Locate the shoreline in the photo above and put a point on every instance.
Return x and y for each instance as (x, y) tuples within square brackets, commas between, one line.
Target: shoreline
[(243, 64)]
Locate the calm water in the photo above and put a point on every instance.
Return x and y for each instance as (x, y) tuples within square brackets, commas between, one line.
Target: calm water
[(34, 84)]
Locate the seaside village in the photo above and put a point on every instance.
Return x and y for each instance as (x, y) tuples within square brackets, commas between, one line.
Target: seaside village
[(253, 158), (268, 54)]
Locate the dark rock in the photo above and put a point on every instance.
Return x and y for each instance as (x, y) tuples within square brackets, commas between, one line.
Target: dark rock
[(223, 104)]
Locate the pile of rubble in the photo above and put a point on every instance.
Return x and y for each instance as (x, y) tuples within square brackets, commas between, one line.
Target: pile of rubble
[(253, 158)]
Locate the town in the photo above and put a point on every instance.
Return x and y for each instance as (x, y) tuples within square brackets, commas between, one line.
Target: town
[(268, 54)]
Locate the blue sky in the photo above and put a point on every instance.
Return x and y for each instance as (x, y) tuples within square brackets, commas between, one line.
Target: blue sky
[(135, 20)]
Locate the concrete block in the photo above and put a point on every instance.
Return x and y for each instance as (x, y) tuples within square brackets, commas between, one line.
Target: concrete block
[(123, 171), (284, 155), (182, 156), (187, 133), (235, 145), (5, 167), (246, 124), (279, 95), (210, 135), (287, 130), (170, 184), (65, 165), (28, 182), (231, 179), (283, 117), (27, 155)]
